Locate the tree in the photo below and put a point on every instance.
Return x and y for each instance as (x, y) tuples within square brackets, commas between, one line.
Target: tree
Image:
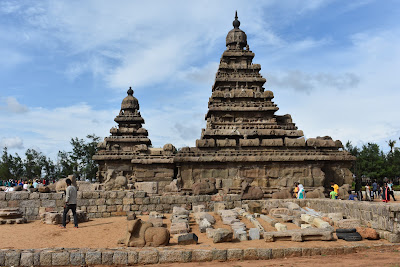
[(5, 165), (391, 144)]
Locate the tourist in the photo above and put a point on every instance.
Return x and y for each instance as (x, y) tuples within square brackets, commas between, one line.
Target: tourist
[(367, 192), (352, 196), (335, 188), (301, 194), (358, 188), (332, 194), (70, 203), (26, 185), (385, 193), (35, 184), (379, 189), (296, 189), (374, 189), (391, 191)]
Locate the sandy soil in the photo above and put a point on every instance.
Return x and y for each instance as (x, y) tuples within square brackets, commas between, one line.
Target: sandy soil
[(389, 257), (105, 233)]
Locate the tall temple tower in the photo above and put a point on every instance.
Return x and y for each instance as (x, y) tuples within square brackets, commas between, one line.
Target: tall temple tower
[(244, 140)]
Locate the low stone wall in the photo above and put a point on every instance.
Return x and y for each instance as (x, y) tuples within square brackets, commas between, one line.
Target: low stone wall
[(124, 257)]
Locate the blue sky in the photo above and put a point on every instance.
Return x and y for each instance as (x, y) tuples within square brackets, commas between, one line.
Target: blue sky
[(66, 65)]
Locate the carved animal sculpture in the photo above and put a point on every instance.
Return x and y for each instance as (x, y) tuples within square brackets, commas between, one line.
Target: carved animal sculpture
[(172, 187), (343, 192), (251, 192), (283, 194), (141, 234), (61, 185), (316, 193), (119, 183), (204, 187)]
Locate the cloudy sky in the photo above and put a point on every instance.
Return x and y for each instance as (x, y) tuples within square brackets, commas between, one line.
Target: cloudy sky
[(66, 65)]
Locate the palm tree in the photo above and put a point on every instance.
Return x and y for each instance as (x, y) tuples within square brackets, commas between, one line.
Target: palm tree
[(391, 144)]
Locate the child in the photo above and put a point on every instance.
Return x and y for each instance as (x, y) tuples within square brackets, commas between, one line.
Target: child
[(332, 194), (351, 195)]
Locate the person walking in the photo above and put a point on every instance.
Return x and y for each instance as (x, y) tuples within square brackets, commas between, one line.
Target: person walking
[(374, 189), (302, 193), (385, 193), (367, 192), (70, 203), (391, 192), (335, 188), (296, 189)]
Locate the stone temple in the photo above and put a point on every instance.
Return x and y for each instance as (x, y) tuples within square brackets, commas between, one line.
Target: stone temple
[(244, 140)]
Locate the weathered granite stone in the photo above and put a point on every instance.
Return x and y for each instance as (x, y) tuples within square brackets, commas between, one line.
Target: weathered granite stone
[(26, 259), (348, 223), (222, 235), (240, 234), (234, 254), (60, 258), (280, 227), (292, 252), (45, 258), (254, 234), (120, 258), (188, 239), (269, 220), (107, 257), (277, 253), (77, 258), (132, 257), (148, 257), (219, 254), (202, 255), (93, 258), (171, 256), (12, 258)]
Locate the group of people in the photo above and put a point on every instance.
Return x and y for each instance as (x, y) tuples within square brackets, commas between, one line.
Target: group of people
[(24, 184), (377, 191), (299, 192)]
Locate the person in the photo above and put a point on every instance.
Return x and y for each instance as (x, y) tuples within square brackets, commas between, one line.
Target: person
[(374, 189), (296, 189), (332, 194), (335, 188), (367, 192), (391, 192), (70, 203), (352, 196), (35, 184), (26, 185), (358, 187), (385, 193), (302, 193)]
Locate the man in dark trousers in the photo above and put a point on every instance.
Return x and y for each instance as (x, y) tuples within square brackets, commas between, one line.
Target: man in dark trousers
[(70, 203)]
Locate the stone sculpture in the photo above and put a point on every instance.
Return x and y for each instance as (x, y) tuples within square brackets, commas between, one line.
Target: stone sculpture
[(250, 192), (204, 187), (120, 182), (283, 194), (344, 192), (143, 234), (316, 193), (11, 216), (61, 185)]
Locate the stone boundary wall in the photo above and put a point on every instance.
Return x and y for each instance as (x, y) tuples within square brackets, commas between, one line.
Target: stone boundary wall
[(124, 256)]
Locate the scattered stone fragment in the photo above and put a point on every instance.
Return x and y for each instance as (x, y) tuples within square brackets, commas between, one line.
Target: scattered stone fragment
[(180, 211), (368, 233), (203, 225), (280, 227), (311, 234), (199, 208), (278, 212), (240, 234), (155, 214), (335, 216), (11, 216), (306, 226), (157, 222), (188, 239), (269, 220), (254, 207), (348, 223), (254, 234), (199, 216), (222, 235), (179, 228)]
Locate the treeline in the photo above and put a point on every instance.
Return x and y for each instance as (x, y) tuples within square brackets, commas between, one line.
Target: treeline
[(37, 165), (372, 162)]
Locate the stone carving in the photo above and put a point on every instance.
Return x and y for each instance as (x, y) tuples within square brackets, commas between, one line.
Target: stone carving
[(283, 194), (250, 192), (61, 185), (316, 193), (11, 215), (143, 234), (344, 192), (119, 183), (204, 187)]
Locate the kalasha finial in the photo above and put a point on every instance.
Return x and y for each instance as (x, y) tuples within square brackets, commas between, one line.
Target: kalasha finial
[(130, 91), (236, 22)]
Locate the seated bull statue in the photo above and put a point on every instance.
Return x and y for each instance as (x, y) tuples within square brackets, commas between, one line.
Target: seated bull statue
[(143, 234), (283, 194), (61, 185), (316, 193), (250, 192), (204, 187)]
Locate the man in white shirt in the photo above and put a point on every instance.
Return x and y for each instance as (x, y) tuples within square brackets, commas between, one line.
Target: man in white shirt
[(70, 203)]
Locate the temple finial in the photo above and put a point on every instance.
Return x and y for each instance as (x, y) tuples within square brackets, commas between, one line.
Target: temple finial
[(130, 91), (236, 22)]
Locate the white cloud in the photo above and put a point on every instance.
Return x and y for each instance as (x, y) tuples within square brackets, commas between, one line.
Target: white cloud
[(12, 143), (12, 105)]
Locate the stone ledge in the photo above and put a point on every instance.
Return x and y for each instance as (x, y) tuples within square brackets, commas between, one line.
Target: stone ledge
[(127, 257)]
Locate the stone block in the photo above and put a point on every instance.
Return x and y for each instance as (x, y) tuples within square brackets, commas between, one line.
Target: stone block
[(199, 216), (264, 253), (45, 258), (171, 256), (180, 211), (222, 235), (335, 216), (348, 223), (77, 258), (234, 254), (93, 258), (203, 225), (199, 208), (219, 206), (157, 222), (12, 258), (240, 234), (107, 257), (199, 255), (132, 257), (292, 252), (60, 259), (280, 227), (188, 239), (219, 254), (319, 223), (393, 238), (179, 228), (312, 234), (210, 232), (120, 258), (2, 256), (367, 233), (148, 257), (148, 187), (307, 218), (254, 234), (277, 253), (269, 220), (305, 226), (26, 259)]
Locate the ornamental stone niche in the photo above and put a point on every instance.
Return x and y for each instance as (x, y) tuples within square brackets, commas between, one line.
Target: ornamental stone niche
[(244, 139)]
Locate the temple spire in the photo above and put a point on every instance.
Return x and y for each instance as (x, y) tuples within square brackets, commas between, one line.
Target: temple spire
[(236, 22)]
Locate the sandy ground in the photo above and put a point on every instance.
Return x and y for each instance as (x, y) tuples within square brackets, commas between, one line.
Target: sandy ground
[(389, 257), (105, 233)]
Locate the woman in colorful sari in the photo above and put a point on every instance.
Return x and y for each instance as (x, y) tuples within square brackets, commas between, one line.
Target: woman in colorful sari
[(302, 193), (385, 193)]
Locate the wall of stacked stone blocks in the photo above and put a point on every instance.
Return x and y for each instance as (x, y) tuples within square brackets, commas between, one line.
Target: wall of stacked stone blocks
[(100, 204)]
